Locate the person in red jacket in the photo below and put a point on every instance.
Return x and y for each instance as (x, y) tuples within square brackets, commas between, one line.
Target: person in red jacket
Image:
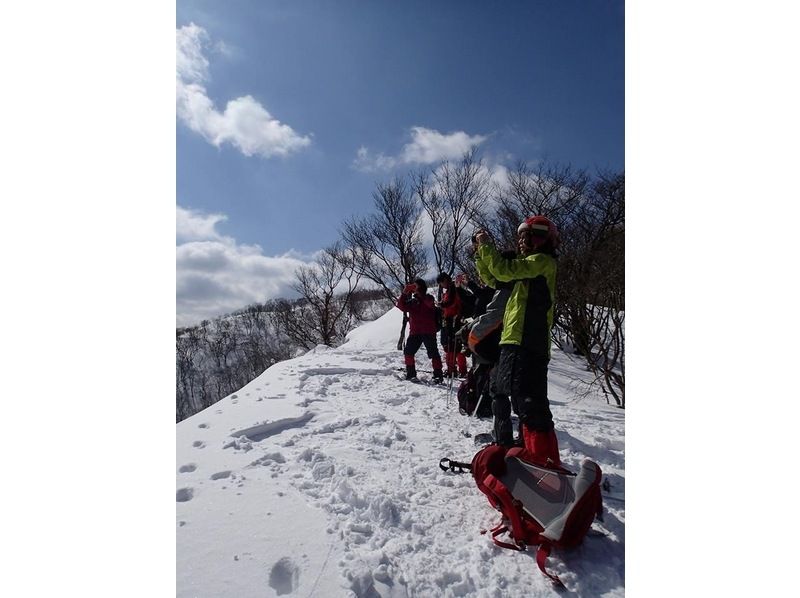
[(421, 311), (451, 321)]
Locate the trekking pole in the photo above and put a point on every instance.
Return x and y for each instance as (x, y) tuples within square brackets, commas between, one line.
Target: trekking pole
[(451, 346), (401, 341), (449, 390), (478, 405)]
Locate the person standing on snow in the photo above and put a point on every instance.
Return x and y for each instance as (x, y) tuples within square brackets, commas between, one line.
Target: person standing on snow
[(483, 339), (421, 310), (482, 295), (525, 340), (451, 316)]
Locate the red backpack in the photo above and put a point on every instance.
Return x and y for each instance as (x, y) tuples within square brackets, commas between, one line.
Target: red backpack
[(545, 507)]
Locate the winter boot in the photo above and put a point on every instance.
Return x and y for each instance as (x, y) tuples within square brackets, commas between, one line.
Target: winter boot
[(450, 362), (542, 447), (411, 371), (519, 440), (503, 429), (436, 365), (462, 365)]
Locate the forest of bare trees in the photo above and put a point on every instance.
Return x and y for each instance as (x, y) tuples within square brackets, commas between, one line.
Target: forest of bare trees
[(220, 356), (380, 252)]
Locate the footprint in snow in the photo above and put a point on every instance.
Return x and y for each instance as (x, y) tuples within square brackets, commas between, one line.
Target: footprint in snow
[(198, 444), (202, 425), (188, 468), (220, 475), (284, 576), (184, 494)]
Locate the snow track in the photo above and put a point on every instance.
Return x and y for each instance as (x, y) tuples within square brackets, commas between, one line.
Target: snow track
[(332, 488)]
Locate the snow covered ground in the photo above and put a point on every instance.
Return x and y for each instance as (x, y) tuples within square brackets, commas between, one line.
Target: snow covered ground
[(321, 478)]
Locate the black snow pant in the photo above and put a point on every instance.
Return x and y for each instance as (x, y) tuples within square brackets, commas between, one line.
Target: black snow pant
[(416, 340), (412, 346), (522, 376), (450, 340), (503, 428)]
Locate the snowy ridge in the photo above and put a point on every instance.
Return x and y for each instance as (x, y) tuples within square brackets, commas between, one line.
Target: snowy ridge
[(321, 478)]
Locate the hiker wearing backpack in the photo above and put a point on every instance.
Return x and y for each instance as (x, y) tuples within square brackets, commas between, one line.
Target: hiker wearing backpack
[(451, 321), (468, 292), (483, 341), (421, 310), (525, 339), (483, 334), (483, 294)]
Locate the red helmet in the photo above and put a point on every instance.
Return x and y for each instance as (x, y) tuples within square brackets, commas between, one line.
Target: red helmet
[(542, 231)]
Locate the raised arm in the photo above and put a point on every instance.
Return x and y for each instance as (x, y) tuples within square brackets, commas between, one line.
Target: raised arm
[(507, 270)]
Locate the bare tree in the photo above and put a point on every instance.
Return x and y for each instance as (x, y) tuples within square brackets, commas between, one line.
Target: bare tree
[(387, 245), (257, 346), (551, 190), (288, 317), (194, 375), (188, 399), (454, 197), (221, 344), (591, 282), (324, 314), (328, 287)]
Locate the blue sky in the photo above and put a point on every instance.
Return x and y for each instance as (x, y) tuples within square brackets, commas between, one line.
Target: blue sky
[(288, 113)]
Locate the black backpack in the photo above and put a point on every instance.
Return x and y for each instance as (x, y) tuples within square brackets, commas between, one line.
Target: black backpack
[(470, 391), (467, 302)]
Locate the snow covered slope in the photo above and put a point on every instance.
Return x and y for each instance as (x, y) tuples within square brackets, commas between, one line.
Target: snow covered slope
[(321, 478)]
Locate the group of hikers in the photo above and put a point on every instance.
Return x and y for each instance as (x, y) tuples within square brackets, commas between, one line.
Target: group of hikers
[(504, 323)]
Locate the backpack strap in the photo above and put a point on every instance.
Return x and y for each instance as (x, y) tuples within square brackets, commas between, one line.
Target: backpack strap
[(502, 528), (541, 557), (508, 507), (511, 511), (541, 554)]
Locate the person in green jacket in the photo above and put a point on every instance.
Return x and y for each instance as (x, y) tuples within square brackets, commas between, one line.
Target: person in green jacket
[(525, 340)]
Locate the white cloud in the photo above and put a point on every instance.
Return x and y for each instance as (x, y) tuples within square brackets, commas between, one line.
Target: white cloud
[(366, 162), (195, 226), (191, 65), (216, 275), (427, 146), (244, 123), (498, 175)]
